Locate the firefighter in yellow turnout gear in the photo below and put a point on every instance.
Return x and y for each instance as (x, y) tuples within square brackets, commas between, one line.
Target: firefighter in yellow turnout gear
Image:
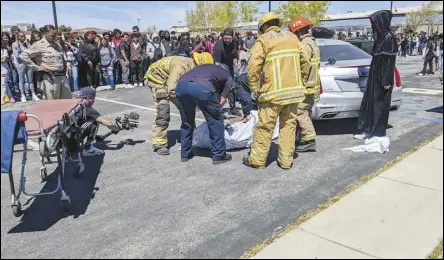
[(300, 26), (280, 57), (162, 77)]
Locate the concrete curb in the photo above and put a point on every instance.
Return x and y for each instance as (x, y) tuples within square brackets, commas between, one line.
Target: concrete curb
[(256, 251)]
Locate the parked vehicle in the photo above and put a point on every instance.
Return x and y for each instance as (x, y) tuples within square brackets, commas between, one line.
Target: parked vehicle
[(343, 72), (363, 44)]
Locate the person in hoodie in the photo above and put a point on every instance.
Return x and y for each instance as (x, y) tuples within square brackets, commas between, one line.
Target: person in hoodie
[(155, 49), (88, 57), (375, 106), (167, 44), (107, 60), (143, 41), (137, 54)]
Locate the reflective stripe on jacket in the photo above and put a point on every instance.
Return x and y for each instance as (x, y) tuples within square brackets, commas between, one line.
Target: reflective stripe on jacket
[(167, 71), (285, 65), (314, 82)]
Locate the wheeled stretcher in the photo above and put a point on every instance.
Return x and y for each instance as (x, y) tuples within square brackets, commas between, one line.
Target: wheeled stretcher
[(56, 127)]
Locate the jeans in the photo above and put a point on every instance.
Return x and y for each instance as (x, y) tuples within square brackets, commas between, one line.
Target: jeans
[(25, 74), (5, 80), (428, 60), (440, 60), (189, 95), (125, 71), (13, 79), (108, 75), (244, 98), (89, 131), (137, 71), (73, 78)]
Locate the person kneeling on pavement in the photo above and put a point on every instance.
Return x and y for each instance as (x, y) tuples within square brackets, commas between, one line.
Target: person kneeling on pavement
[(207, 87), (162, 77), (91, 125)]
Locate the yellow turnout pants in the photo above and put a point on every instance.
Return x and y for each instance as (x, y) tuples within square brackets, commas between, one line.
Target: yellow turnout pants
[(263, 131), (308, 132), (162, 118)]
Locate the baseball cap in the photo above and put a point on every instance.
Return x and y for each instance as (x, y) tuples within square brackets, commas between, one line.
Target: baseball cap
[(88, 92)]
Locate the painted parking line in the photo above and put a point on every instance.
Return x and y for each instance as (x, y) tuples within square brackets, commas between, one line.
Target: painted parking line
[(422, 91), (434, 120), (141, 107)]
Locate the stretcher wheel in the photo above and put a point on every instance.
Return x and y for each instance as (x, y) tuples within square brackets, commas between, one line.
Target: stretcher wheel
[(66, 205), (43, 149), (43, 173), (79, 170), (17, 209)]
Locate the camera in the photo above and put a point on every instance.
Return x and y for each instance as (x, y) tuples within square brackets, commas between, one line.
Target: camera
[(128, 122)]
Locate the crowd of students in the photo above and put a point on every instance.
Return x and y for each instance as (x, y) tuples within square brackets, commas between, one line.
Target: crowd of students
[(105, 59)]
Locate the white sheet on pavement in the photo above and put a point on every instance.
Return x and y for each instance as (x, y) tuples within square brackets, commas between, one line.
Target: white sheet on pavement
[(237, 135), (372, 145)]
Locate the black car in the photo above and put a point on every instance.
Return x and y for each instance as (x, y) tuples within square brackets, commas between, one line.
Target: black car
[(363, 44)]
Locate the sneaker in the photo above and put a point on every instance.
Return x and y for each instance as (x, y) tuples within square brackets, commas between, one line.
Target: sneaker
[(23, 98), (92, 152), (130, 86), (306, 146), (225, 158), (246, 162), (35, 98), (361, 136), (3, 103), (12, 100), (140, 84), (419, 74), (162, 150)]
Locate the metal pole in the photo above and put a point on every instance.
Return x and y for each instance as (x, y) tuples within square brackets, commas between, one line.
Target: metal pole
[(269, 6), (391, 6), (55, 15)]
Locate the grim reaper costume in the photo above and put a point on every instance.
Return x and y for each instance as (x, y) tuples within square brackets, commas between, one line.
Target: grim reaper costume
[(375, 106)]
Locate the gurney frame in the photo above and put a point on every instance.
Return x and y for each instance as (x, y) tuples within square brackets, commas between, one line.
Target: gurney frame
[(53, 140)]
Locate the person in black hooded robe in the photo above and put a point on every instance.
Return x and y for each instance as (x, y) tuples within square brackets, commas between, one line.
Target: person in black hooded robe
[(375, 106)]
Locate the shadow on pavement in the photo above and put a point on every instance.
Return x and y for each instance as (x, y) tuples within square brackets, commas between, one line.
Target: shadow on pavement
[(173, 138), (105, 145), (436, 110), (272, 155), (46, 211), (336, 127)]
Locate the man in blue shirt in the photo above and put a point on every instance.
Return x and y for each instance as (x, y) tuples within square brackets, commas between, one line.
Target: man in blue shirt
[(207, 87)]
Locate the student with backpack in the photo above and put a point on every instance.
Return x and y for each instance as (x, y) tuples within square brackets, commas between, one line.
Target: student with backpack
[(155, 49)]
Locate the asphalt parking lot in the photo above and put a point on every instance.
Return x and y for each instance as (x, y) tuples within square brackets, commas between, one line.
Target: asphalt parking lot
[(133, 203)]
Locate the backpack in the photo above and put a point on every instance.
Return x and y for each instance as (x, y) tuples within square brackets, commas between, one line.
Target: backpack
[(158, 54)]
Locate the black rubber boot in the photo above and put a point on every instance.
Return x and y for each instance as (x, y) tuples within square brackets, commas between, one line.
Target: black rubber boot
[(246, 161), (225, 158), (306, 146)]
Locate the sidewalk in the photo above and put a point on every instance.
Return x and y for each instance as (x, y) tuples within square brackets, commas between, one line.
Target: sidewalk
[(398, 214)]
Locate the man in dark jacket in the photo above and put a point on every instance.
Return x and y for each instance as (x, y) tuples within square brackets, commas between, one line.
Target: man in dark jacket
[(207, 87), (88, 57), (225, 51)]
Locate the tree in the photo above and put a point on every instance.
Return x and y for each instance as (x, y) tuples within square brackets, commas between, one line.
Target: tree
[(314, 11), (64, 28), (151, 29), (225, 14), (248, 10), (202, 18), (426, 15)]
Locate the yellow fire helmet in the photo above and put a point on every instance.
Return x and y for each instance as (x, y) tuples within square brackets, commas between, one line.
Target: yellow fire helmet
[(268, 17), (203, 58)]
